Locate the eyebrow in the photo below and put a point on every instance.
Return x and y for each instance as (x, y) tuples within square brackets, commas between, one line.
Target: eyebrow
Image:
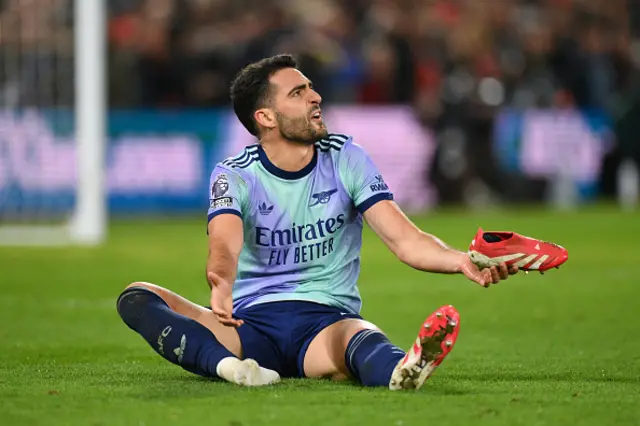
[(299, 87)]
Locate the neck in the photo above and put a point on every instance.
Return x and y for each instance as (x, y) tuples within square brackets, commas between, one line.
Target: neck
[(287, 155)]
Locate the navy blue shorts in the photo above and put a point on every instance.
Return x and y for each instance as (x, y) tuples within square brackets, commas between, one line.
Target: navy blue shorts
[(277, 334)]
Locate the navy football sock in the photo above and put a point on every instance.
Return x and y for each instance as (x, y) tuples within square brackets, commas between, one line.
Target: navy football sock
[(371, 357), (177, 338)]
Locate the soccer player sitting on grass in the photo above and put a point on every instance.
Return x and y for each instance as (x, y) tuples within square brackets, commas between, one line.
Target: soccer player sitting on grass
[(285, 232)]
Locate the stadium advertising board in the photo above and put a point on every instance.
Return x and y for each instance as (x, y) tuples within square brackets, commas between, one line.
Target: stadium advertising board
[(161, 161), (543, 144)]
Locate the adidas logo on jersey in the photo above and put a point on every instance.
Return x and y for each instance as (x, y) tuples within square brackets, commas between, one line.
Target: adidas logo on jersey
[(264, 209)]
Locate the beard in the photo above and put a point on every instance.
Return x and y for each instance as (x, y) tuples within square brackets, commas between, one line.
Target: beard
[(301, 129)]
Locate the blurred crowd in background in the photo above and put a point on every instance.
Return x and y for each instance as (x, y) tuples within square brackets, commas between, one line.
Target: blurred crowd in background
[(475, 54), (430, 53), (455, 61)]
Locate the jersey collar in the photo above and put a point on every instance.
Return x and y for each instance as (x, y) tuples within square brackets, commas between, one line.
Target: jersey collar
[(284, 174)]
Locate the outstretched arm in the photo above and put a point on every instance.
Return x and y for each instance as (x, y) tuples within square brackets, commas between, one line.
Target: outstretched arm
[(424, 251)]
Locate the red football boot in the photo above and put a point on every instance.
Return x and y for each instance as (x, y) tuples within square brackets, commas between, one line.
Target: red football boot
[(491, 248), (435, 340)]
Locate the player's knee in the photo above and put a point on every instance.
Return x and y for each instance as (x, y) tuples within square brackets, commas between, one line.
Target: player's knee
[(133, 301), (142, 284)]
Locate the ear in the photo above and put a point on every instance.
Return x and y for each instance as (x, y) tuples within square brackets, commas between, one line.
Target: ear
[(265, 117)]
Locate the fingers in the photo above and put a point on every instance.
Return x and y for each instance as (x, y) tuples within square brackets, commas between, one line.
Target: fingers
[(482, 277), (231, 322), (503, 271), (475, 274), (225, 317), (495, 275), (487, 279), (221, 292)]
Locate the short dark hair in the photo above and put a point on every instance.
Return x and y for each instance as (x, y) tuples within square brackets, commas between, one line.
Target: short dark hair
[(250, 88)]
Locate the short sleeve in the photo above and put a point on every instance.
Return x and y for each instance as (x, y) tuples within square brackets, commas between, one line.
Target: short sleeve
[(227, 193), (361, 177)]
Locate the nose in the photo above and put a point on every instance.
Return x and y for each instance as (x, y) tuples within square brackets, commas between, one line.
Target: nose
[(314, 97)]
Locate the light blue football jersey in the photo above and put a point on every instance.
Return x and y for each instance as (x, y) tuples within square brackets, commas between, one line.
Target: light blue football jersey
[(302, 230)]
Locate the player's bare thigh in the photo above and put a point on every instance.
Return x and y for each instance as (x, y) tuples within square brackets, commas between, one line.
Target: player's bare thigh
[(226, 335), (325, 355)]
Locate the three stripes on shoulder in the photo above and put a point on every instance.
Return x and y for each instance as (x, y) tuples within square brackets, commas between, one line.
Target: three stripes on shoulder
[(333, 141), (250, 154)]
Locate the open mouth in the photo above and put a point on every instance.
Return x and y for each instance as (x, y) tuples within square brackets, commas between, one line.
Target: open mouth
[(317, 116)]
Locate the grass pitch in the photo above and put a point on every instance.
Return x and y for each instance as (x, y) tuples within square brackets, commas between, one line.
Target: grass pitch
[(562, 348)]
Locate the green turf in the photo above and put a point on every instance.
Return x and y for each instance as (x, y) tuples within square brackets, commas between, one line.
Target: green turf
[(556, 349)]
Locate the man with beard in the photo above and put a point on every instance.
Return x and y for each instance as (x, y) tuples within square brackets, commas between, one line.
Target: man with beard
[(285, 232)]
